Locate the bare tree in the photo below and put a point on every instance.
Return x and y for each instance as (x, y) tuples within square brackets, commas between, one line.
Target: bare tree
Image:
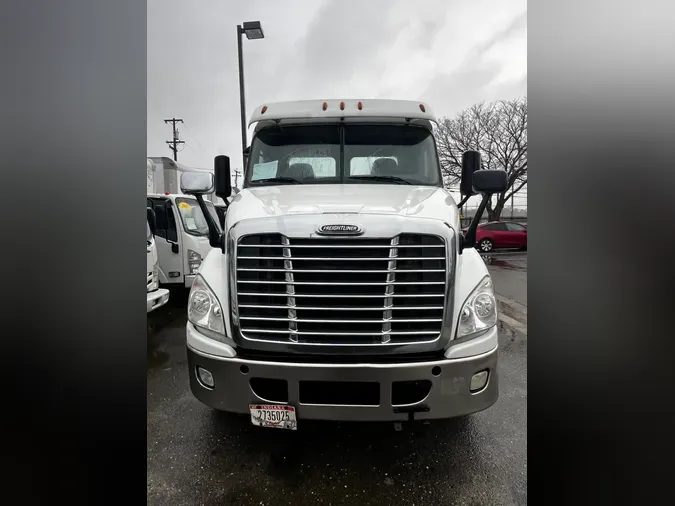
[(497, 130)]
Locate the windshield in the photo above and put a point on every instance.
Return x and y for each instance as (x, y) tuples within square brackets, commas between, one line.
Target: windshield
[(148, 233), (349, 154), (192, 217)]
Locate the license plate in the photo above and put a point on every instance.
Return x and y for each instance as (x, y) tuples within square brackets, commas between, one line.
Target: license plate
[(279, 416)]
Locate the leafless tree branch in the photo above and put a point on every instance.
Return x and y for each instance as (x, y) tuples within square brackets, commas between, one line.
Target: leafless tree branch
[(498, 130)]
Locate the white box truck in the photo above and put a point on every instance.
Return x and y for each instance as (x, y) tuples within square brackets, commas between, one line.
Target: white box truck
[(182, 233), (341, 286), (156, 296)]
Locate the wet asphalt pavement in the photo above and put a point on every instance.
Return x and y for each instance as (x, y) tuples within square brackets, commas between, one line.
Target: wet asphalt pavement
[(509, 275), (198, 456)]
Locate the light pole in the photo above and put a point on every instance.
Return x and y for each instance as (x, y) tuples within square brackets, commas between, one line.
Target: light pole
[(252, 30)]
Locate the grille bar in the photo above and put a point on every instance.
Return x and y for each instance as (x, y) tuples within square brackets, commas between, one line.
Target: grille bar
[(417, 333), (341, 290), (383, 320), (357, 246), (318, 308), (349, 271), (350, 296), (340, 259), (386, 283)]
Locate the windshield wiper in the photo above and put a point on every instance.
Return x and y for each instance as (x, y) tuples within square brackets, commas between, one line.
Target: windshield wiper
[(389, 179), (288, 180)]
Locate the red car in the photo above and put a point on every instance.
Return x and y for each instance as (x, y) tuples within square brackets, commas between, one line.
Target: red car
[(501, 234)]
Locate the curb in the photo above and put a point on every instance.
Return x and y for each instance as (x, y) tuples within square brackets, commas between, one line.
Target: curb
[(510, 307), (512, 314), (513, 325)]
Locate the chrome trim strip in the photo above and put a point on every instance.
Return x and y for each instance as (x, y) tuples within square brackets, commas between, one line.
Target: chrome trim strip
[(290, 290), (389, 290)]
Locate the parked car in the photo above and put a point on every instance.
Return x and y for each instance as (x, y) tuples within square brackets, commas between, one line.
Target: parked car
[(501, 234)]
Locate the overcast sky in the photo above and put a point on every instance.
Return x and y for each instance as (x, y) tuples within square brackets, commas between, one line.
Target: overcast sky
[(447, 53)]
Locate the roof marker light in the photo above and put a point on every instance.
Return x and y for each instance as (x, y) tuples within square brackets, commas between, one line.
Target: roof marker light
[(422, 108), (360, 105), (342, 106), (264, 108), (325, 106), (166, 193)]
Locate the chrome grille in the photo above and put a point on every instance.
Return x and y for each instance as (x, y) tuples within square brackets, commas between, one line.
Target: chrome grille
[(149, 281), (341, 290)]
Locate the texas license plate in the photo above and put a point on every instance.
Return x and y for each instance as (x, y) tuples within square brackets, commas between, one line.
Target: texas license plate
[(279, 416)]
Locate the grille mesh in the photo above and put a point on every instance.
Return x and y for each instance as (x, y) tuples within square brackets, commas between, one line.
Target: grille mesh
[(341, 290)]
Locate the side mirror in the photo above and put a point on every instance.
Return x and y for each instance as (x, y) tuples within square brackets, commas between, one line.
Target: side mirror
[(475, 180), (470, 164), (152, 221), (489, 181), (171, 232), (223, 180), (196, 183)]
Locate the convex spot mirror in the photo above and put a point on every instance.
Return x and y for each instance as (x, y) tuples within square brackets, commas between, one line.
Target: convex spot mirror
[(197, 183)]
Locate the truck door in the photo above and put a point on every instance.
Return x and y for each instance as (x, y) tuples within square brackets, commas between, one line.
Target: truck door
[(169, 249)]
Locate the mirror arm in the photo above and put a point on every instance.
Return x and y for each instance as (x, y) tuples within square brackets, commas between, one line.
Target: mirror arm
[(469, 240), (463, 201), (215, 233)]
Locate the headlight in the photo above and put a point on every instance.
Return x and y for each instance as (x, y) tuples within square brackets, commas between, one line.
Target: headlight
[(479, 312), (203, 308), (194, 261)]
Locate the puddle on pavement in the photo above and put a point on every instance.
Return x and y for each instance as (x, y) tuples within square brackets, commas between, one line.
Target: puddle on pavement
[(503, 263)]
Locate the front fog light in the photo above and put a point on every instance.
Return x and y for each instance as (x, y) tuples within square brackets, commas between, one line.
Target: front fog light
[(205, 377), (478, 381)]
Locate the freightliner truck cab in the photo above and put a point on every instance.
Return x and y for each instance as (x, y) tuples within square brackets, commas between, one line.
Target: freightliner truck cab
[(341, 286)]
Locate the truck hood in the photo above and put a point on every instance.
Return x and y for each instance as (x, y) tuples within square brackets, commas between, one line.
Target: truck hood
[(399, 200)]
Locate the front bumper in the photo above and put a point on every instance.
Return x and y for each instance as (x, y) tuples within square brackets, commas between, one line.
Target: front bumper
[(157, 298), (448, 382)]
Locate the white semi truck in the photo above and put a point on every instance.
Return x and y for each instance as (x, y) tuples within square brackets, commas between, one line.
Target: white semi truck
[(156, 296), (341, 286)]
